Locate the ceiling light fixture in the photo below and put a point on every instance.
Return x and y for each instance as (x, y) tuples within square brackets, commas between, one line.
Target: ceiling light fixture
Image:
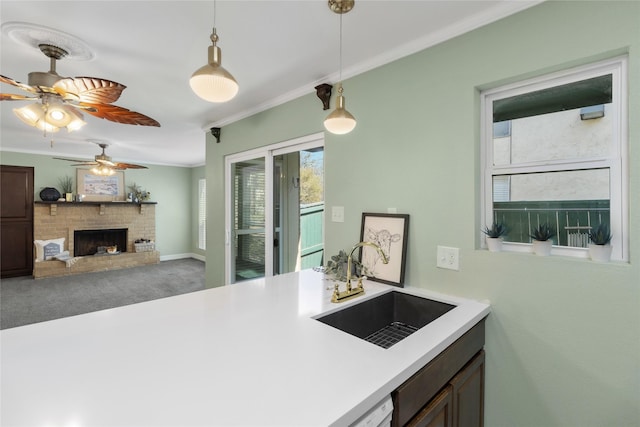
[(340, 121), (212, 82), (50, 116)]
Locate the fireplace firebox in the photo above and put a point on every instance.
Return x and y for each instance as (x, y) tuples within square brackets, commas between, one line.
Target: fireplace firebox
[(87, 242)]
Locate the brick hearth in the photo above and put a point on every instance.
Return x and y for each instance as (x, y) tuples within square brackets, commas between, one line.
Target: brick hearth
[(55, 220)]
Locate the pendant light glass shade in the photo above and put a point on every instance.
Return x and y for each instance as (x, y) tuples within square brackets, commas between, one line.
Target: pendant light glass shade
[(340, 121), (212, 82)]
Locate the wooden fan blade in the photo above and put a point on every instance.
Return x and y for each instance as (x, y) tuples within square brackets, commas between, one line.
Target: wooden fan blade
[(89, 89), (10, 81), (71, 160), (118, 114), (128, 166), (106, 162), (86, 164), (14, 97)]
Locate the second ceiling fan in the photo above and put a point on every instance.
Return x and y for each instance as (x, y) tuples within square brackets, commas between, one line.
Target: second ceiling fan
[(103, 164)]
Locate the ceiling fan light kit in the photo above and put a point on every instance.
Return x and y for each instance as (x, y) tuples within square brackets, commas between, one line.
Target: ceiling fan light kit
[(50, 115), (212, 82), (340, 121)]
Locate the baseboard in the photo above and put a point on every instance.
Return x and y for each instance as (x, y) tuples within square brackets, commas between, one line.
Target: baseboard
[(182, 256)]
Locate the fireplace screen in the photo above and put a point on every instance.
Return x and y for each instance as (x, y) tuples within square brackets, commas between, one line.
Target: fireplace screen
[(88, 242)]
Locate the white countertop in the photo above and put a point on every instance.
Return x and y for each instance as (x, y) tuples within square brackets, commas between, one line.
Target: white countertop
[(249, 354)]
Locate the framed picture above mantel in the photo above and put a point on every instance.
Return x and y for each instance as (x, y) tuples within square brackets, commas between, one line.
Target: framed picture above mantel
[(98, 188)]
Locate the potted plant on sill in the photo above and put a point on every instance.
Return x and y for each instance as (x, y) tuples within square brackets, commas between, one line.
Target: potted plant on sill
[(542, 236), (599, 248), (494, 236)]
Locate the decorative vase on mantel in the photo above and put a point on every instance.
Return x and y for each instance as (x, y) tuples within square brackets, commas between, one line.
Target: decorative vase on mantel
[(49, 194)]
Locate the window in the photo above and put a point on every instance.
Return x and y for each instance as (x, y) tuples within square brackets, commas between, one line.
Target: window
[(202, 214), (554, 150)]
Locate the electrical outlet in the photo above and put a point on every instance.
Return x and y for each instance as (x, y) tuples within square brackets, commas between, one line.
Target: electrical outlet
[(448, 258)]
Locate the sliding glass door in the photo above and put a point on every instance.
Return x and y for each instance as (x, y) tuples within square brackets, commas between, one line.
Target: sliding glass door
[(263, 210)]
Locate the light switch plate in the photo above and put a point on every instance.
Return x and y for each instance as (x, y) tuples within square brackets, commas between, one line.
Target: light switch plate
[(337, 214), (448, 258)]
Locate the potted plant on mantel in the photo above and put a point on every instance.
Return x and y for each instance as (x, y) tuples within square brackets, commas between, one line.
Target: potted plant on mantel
[(599, 248), (542, 236), (494, 236), (66, 185)]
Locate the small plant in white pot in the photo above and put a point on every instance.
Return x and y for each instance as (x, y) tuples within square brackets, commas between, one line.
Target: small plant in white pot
[(494, 236), (599, 248), (542, 236)]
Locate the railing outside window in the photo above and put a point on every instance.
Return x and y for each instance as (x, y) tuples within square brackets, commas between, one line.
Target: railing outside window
[(572, 220)]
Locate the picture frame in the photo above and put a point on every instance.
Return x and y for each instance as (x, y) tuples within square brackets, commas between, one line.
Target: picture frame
[(390, 232), (100, 188)]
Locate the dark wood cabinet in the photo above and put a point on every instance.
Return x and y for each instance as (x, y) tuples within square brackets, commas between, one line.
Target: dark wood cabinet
[(468, 394), (437, 413), (449, 390), (16, 221)]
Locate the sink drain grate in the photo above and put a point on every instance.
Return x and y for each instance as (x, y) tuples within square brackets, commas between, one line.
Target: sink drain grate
[(391, 334)]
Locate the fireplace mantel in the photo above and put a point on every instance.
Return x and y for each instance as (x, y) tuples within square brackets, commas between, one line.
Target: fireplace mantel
[(53, 206)]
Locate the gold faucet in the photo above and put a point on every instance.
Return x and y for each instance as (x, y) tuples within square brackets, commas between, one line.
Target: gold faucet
[(351, 292)]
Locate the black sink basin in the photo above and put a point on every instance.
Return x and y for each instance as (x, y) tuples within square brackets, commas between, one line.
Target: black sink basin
[(388, 318)]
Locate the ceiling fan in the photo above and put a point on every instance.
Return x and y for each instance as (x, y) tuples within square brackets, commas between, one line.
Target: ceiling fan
[(103, 164), (62, 98)]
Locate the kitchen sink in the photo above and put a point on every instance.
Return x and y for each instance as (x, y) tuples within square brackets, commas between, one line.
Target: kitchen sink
[(386, 319)]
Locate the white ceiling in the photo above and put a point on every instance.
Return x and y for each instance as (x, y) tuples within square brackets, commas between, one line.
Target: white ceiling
[(277, 50)]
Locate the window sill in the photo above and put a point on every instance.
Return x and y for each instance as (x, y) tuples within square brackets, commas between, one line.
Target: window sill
[(556, 252)]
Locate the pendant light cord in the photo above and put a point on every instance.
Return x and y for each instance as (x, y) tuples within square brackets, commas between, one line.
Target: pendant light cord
[(340, 48), (214, 14)]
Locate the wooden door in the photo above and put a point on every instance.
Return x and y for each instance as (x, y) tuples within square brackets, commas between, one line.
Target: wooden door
[(16, 221)]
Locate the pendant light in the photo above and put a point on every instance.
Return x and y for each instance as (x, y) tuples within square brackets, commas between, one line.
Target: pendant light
[(212, 82), (340, 121)]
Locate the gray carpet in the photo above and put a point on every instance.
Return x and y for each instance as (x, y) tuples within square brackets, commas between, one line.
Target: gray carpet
[(24, 300)]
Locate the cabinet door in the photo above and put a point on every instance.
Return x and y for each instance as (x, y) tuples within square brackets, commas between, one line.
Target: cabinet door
[(468, 394), (16, 221), (438, 413)]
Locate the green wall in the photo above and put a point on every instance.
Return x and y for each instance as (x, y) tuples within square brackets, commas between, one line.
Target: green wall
[(563, 337), (169, 187)]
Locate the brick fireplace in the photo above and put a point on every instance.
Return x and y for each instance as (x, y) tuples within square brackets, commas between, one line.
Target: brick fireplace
[(65, 219)]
